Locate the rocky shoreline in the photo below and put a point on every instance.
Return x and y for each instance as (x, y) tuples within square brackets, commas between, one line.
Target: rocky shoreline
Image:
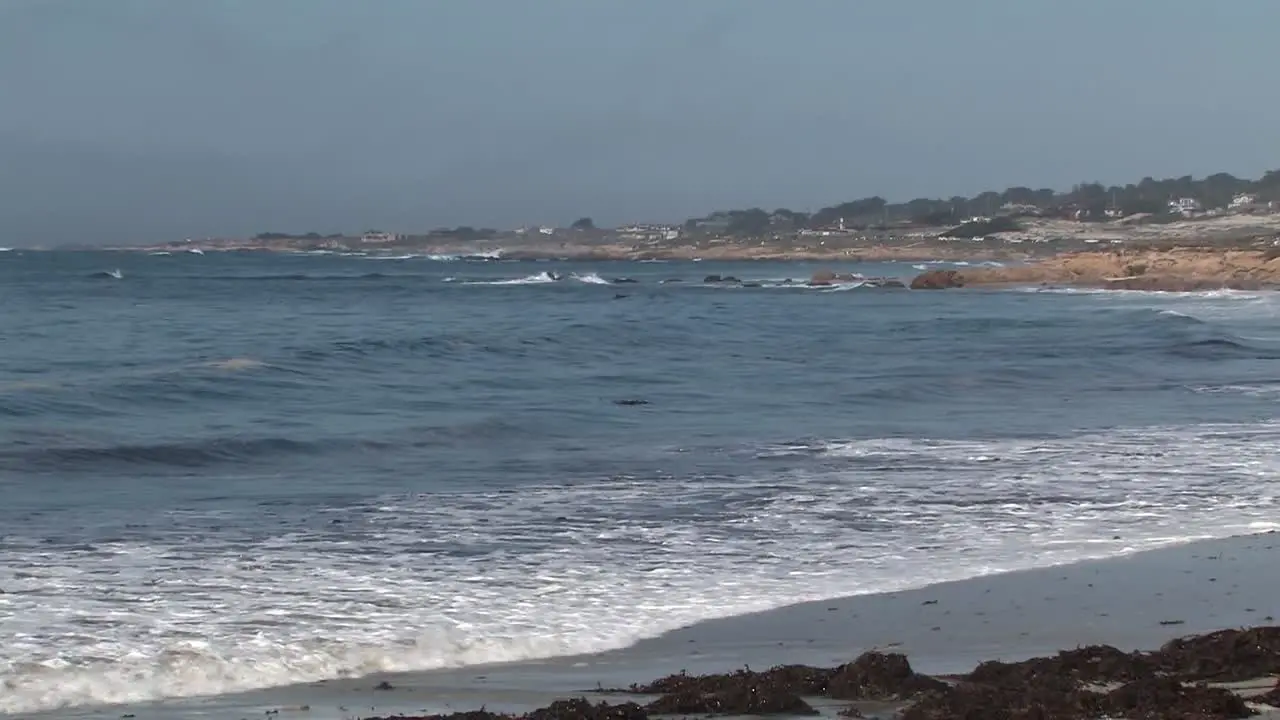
[(1224, 674), (1171, 270)]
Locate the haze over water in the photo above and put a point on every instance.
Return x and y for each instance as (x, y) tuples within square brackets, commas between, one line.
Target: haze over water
[(239, 470)]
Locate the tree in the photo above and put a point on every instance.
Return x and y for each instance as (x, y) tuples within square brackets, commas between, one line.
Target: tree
[(1019, 196), (583, 223), (749, 223)]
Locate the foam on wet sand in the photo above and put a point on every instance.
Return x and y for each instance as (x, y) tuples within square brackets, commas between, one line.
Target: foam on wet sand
[(1134, 602)]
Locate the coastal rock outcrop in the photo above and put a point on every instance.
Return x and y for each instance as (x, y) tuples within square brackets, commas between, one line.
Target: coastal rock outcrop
[(827, 277), (1174, 270), (938, 280)]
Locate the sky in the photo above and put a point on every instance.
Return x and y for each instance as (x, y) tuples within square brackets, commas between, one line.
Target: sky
[(158, 119)]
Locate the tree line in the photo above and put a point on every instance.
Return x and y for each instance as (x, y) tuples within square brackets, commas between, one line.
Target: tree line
[(1087, 201)]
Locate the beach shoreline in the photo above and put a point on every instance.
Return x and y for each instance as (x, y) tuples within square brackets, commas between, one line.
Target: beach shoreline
[(1177, 267), (1133, 602)]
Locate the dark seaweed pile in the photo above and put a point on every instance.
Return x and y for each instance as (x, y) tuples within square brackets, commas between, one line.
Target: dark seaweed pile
[(1169, 683)]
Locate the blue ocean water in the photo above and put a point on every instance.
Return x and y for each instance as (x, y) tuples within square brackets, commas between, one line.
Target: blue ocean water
[(238, 470)]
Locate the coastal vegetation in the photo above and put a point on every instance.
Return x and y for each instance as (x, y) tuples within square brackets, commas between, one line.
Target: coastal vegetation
[(1087, 201), (1147, 202)]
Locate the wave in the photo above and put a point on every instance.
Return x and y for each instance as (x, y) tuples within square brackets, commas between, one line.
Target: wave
[(1254, 390), (590, 279), (26, 455), (116, 274), (541, 278), (188, 454), (1155, 295), (306, 277), (408, 582)]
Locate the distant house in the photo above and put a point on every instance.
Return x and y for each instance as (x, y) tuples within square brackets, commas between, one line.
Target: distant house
[(1185, 206), (648, 232), (1243, 200), (375, 236)]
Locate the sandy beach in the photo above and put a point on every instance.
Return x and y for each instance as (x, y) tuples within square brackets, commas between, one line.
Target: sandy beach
[(1138, 601)]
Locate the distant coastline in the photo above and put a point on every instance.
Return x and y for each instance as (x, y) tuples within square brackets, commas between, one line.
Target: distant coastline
[(1016, 222)]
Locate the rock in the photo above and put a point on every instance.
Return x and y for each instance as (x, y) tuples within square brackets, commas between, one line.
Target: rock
[(879, 676), (1092, 664), (1270, 697), (873, 676), (1223, 656), (578, 709), (937, 280), (743, 700), (797, 679), (986, 702), (823, 278), (1163, 697)]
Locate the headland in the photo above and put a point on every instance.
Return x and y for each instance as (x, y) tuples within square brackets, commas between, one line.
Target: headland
[(1172, 234)]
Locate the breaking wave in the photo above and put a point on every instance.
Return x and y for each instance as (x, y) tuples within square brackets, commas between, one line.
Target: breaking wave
[(434, 581)]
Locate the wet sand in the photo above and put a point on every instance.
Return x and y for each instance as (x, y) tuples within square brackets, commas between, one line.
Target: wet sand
[(1135, 602)]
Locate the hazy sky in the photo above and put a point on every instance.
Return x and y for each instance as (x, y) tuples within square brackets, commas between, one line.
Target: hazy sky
[(151, 118)]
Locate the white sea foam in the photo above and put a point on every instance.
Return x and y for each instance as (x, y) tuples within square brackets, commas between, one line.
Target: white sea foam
[(537, 279), (416, 582), (590, 279), (1257, 390)]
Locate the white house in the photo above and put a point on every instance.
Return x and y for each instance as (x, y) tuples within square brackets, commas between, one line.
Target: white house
[(1243, 200), (1186, 206)]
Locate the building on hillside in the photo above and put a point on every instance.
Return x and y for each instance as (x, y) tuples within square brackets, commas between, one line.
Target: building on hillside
[(1243, 200), (648, 232), (1185, 206), (378, 237)]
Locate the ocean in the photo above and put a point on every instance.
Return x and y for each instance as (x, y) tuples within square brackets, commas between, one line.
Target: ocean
[(232, 471)]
